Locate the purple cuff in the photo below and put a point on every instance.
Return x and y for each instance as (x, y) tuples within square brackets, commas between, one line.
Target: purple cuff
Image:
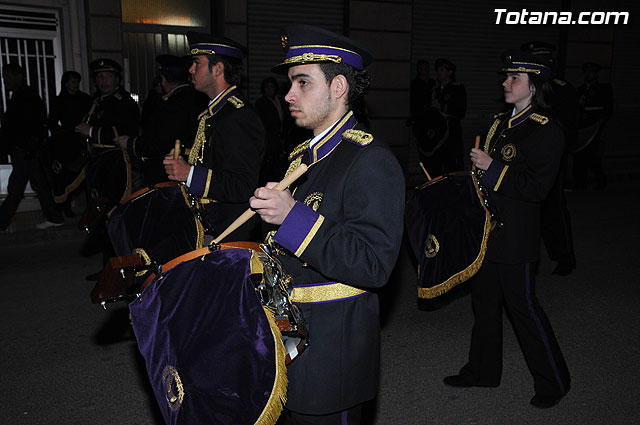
[(494, 175), (200, 181), (298, 228)]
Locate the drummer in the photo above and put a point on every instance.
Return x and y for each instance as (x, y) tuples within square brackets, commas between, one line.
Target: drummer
[(340, 231), (224, 163), (175, 118), (518, 165)]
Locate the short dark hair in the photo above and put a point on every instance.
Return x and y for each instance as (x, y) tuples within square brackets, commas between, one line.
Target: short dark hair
[(232, 67), (15, 69), (358, 80), (70, 75), (175, 75)]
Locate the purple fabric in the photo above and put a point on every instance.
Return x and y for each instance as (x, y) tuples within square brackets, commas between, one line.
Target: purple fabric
[(199, 180), (203, 318), (490, 179), (350, 58), (160, 222), (296, 226), (323, 148)]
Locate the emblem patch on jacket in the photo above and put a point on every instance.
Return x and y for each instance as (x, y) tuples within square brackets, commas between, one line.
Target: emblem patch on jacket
[(508, 152), (432, 246), (313, 200)]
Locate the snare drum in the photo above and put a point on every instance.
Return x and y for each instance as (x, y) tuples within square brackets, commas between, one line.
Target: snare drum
[(208, 326)]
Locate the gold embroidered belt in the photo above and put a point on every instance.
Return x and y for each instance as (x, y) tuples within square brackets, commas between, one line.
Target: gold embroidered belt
[(324, 292)]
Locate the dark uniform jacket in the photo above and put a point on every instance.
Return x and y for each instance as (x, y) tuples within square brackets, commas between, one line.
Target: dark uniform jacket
[(67, 110), (596, 103), (23, 122), (117, 109), (526, 151), (346, 227), (175, 118), (227, 154)]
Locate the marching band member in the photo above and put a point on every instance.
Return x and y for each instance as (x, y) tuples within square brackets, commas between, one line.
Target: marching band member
[(339, 232), (518, 165)]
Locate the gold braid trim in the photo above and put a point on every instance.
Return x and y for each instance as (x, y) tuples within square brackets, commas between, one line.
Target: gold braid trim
[(71, 187), (293, 165), (237, 103), (146, 260), (539, 118), (360, 137), (299, 149), (278, 396), (197, 150), (472, 269), (490, 134), (313, 57)]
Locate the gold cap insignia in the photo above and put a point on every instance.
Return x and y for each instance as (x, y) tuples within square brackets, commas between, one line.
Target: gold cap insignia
[(284, 40), (508, 152), (432, 246)]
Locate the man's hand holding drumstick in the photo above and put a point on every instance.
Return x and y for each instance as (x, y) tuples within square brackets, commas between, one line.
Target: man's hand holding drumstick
[(273, 202), (175, 166)]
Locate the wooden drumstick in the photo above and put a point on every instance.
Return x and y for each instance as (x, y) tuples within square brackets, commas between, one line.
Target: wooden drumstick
[(115, 131), (176, 150), (476, 146), (284, 183), (425, 171)]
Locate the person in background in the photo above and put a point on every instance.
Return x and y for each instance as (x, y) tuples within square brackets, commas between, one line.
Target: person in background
[(518, 166), (23, 129), (273, 111)]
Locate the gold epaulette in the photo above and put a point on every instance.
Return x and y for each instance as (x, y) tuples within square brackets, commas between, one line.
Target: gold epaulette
[(237, 103), (559, 82), (539, 118), (359, 137), (298, 150), (496, 116), (118, 96)]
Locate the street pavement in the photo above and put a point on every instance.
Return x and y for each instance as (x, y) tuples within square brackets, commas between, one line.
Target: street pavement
[(67, 361)]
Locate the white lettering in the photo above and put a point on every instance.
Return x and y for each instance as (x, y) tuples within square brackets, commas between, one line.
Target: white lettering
[(598, 18), (499, 12), (617, 15), (554, 15), (510, 18), (564, 18), (523, 16), (582, 21), (536, 18)]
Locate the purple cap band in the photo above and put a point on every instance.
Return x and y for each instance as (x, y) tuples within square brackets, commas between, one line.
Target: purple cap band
[(316, 53)]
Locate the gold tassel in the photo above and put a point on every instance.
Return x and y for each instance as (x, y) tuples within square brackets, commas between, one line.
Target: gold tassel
[(278, 397)]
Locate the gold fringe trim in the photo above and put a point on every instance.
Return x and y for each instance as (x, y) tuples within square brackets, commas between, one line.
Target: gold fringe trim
[(472, 269), (278, 397), (71, 187)]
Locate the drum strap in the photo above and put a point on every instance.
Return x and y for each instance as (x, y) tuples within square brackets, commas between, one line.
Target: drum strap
[(324, 292)]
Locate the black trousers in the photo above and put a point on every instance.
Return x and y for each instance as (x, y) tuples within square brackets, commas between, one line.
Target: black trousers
[(512, 286), (27, 170)]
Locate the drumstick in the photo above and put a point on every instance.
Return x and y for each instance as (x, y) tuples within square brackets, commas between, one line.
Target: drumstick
[(286, 182), (115, 131), (425, 171), (176, 150), (477, 146)]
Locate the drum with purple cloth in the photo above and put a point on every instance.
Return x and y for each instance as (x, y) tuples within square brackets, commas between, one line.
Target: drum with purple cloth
[(213, 326)]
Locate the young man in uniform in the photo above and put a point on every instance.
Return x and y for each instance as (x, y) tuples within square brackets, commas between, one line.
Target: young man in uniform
[(339, 232), (225, 159)]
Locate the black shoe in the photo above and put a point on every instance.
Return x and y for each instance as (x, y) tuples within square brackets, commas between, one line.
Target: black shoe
[(93, 276), (563, 269), (545, 402)]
